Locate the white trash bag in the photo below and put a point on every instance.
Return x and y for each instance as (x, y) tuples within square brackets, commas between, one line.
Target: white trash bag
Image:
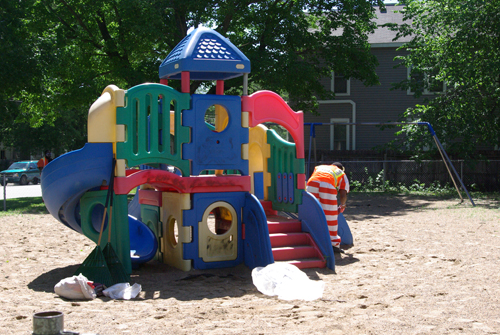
[(123, 291), (75, 288), (286, 281)]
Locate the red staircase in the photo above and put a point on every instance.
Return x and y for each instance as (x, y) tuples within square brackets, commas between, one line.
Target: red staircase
[(291, 245)]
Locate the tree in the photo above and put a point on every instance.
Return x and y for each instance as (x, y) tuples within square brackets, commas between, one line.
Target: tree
[(458, 43), (17, 61), (17, 74), (81, 46)]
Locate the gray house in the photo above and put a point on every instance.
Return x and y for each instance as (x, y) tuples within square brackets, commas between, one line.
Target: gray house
[(356, 103)]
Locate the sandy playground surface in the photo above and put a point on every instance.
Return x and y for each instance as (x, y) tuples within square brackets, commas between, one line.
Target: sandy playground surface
[(419, 266)]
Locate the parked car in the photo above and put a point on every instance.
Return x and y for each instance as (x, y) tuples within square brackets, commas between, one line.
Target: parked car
[(21, 173)]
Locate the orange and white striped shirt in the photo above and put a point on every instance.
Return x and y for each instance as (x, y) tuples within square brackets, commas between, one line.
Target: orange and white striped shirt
[(332, 175)]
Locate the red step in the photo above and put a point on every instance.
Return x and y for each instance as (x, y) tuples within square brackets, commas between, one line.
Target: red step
[(289, 239), (308, 263), (291, 245), (278, 224), (296, 252)]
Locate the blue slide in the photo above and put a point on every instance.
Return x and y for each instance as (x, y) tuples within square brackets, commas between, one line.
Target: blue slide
[(68, 177)]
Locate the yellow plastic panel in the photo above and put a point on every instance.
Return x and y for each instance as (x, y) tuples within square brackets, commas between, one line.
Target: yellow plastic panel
[(120, 168), (258, 153), (221, 118), (244, 119), (244, 151), (171, 216), (223, 247), (102, 115), (120, 133), (172, 122)]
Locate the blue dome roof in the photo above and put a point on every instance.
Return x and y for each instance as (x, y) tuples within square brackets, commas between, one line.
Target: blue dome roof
[(207, 55)]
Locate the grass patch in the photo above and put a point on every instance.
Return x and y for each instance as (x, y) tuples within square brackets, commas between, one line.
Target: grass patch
[(23, 206)]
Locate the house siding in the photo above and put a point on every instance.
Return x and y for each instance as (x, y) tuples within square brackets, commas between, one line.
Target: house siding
[(374, 104)]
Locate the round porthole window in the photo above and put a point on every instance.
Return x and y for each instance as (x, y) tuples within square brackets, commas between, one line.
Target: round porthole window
[(220, 218), (173, 231), (216, 118)]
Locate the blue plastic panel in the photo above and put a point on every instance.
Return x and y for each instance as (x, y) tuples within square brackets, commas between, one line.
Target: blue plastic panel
[(284, 190), (258, 251), (210, 150), (258, 185), (200, 202), (291, 187), (207, 55)]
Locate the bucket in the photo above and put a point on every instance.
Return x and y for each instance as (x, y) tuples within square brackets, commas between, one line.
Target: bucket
[(48, 323)]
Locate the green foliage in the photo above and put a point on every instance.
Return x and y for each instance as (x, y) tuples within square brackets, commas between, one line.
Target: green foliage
[(377, 184), (455, 42), (280, 130), (69, 51), (17, 60)]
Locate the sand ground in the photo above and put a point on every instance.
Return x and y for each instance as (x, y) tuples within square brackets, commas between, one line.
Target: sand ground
[(419, 266)]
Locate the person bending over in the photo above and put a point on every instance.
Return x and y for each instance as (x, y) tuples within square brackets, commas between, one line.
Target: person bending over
[(329, 184)]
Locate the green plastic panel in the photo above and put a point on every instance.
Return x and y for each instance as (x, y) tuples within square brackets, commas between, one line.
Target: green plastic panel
[(146, 117), (283, 160), (120, 238)]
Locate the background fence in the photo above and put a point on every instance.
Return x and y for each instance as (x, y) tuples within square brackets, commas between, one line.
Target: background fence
[(476, 176)]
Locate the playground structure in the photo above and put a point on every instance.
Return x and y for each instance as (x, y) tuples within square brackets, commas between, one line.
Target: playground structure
[(209, 195)]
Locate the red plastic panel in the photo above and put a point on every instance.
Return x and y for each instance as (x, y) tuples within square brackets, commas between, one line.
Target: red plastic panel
[(268, 207), (267, 106), (301, 181), (150, 197), (163, 180)]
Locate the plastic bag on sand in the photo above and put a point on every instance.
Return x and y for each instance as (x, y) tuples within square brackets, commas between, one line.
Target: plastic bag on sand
[(76, 287), (123, 291), (287, 282)]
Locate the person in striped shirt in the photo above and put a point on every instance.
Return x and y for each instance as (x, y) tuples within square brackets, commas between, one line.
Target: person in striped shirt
[(329, 184)]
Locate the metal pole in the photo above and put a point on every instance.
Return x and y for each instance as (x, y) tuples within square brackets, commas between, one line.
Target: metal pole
[(462, 169), (315, 156), (384, 167), (4, 193), (447, 168), (245, 84), (311, 130), (443, 152)]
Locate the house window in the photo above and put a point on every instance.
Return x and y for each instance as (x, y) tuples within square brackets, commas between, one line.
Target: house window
[(340, 85), (2, 154), (425, 79), (339, 134)]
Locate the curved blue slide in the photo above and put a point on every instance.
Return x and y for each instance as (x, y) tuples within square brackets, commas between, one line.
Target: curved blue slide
[(68, 177)]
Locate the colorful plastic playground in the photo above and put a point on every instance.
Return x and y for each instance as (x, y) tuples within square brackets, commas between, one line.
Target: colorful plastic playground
[(214, 186)]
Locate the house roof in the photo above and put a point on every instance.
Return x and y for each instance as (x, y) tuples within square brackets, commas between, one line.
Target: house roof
[(383, 37), (206, 55)]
